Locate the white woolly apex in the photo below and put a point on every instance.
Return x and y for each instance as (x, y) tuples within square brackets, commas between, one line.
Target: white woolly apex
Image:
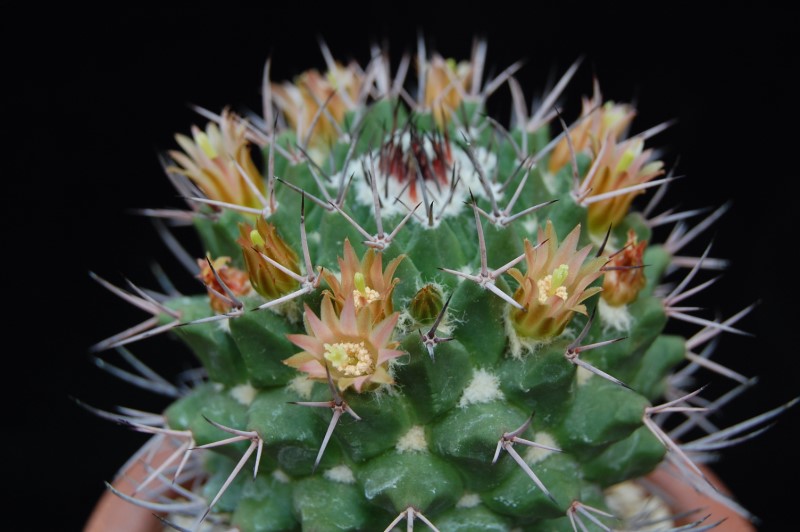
[(627, 499), (341, 474), (582, 375), (483, 388), (390, 187), (243, 393), (535, 455), (468, 500), (281, 477), (412, 441), (614, 318), (302, 386)]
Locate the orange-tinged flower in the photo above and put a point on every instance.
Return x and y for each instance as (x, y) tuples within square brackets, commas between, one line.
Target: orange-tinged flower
[(618, 166), (300, 101), (210, 160), (235, 279), (266, 278), (624, 275), (555, 284), (364, 281), (356, 351), (596, 124), (446, 82)]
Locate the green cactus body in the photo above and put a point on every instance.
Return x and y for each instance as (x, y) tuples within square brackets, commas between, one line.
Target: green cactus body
[(407, 327)]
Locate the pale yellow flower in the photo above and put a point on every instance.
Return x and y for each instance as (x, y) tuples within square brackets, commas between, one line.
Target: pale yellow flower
[(597, 123), (214, 160), (446, 82), (301, 101), (619, 165)]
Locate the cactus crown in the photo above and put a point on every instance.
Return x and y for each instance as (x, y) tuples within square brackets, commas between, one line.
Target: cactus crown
[(461, 290)]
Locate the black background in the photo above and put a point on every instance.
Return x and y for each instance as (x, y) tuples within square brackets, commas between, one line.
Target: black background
[(96, 96)]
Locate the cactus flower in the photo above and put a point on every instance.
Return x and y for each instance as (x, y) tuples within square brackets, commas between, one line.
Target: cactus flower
[(235, 280), (218, 161), (364, 281), (624, 275), (446, 83), (325, 98), (555, 284), (267, 279), (598, 120), (616, 166), (356, 352)]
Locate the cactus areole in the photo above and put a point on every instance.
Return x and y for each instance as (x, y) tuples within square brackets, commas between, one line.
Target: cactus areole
[(415, 315)]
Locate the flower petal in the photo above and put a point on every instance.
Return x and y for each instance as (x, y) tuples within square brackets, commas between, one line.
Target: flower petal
[(298, 360), (309, 344), (347, 321), (385, 355), (382, 332)]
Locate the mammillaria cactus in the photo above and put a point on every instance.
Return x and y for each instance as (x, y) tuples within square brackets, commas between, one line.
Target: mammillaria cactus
[(481, 308)]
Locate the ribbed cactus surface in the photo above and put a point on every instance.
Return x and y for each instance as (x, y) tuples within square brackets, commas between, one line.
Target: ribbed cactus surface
[(416, 314)]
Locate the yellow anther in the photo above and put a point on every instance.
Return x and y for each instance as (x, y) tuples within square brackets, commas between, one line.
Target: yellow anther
[(363, 295), (633, 151), (544, 288), (256, 238), (561, 292), (350, 358)]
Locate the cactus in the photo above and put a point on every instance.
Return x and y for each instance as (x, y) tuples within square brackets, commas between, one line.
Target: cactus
[(413, 313)]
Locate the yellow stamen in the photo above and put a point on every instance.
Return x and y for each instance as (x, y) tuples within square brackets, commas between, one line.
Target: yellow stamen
[(625, 161), (256, 238), (551, 285), (561, 292), (360, 281), (544, 288), (350, 358), (612, 115), (633, 151), (204, 142), (363, 295)]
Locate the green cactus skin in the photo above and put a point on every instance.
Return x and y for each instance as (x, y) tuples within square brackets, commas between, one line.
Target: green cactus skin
[(466, 379)]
